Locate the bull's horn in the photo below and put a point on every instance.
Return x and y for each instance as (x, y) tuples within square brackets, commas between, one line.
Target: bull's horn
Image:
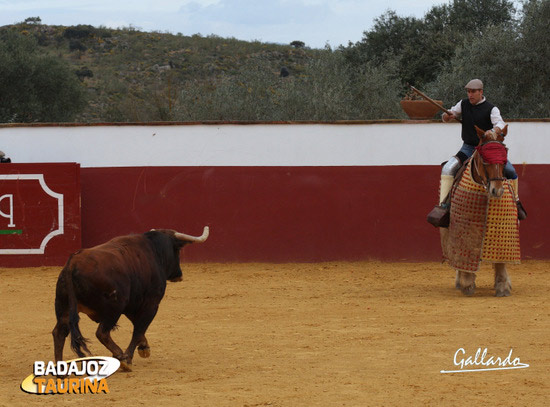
[(197, 239)]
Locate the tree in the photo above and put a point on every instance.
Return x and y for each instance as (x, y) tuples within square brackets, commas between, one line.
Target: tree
[(328, 89), (488, 57), (32, 20), (511, 61), (534, 45), (298, 44), (474, 16), (35, 87), (420, 47)]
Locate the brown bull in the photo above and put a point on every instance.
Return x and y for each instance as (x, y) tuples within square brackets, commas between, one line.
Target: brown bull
[(127, 275)]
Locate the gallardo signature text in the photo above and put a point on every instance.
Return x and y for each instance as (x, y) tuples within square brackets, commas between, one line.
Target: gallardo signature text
[(481, 362)]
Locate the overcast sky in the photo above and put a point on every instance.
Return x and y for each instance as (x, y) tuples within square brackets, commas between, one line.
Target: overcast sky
[(315, 22)]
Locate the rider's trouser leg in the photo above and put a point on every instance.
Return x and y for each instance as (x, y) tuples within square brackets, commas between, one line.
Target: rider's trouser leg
[(445, 185), (448, 173), (515, 188)]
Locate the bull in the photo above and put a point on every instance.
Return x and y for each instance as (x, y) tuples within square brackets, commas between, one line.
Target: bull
[(126, 275)]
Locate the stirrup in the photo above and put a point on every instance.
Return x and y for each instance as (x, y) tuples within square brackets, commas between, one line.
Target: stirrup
[(522, 213), (440, 216)]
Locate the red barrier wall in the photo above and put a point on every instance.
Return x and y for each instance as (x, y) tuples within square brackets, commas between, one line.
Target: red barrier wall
[(39, 213), (269, 191), (282, 214), (276, 214)]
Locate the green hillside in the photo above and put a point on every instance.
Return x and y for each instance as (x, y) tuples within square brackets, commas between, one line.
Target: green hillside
[(131, 75), (94, 74)]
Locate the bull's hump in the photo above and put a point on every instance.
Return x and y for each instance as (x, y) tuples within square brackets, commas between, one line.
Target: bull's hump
[(121, 241)]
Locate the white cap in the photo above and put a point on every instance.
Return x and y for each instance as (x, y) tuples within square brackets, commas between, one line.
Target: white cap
[(474, 84)]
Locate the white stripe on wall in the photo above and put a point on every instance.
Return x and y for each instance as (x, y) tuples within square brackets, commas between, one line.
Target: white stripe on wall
[(368, 144)]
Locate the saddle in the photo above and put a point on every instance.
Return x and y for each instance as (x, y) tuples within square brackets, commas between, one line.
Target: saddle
[(440, 215)]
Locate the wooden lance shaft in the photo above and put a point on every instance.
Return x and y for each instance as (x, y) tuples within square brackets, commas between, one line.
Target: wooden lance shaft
[(433, 102)]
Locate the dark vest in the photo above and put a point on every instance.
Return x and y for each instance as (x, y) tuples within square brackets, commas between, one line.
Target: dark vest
[(479, 115)]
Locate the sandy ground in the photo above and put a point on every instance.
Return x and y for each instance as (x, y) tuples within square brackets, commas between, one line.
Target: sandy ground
[(329, 334)]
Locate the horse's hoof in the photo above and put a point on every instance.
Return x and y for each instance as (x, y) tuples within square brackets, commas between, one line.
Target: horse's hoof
[(503, 293), (469, 290), (144, 352)]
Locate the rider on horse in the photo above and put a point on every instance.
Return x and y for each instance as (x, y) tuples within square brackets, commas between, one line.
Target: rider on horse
[(474, 110)]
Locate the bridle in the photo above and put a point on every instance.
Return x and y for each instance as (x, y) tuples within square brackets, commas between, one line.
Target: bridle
[(501, 157)]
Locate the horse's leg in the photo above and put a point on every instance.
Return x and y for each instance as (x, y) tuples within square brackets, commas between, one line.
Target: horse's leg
[(503, 285), (466, 282)]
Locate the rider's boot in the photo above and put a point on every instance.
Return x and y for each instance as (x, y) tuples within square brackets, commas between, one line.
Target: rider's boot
[(440, 215)]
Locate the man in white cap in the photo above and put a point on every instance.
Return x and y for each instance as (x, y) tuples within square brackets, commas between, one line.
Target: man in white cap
[(475, 110)]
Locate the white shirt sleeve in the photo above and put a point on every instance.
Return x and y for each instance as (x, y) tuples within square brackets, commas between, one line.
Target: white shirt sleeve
[(457, 109), (496, 118)]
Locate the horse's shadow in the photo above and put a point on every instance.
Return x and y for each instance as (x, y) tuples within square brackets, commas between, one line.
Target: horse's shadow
[(479, 292)]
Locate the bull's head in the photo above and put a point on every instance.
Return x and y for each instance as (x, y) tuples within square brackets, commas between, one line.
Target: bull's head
[(170, 257)]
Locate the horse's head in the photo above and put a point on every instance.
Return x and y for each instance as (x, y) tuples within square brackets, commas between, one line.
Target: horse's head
[(489, 161)]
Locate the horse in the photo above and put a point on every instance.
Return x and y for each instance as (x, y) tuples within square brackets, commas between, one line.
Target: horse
[(483, 219)]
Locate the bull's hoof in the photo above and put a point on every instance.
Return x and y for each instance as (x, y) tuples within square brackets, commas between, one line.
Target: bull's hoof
[(468, 290), (144, 351), (125, 363), (125, 366)]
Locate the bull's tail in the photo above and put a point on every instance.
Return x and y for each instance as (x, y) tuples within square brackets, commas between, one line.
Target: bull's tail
[(78, 342)]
